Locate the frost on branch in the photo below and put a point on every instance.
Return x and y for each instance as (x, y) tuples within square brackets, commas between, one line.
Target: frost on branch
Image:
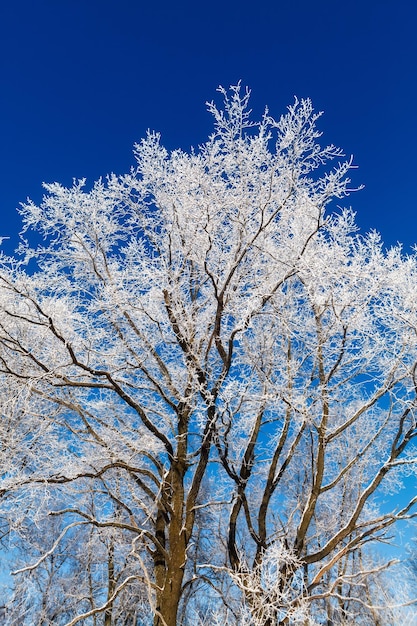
[(209, 385), (269, 598)]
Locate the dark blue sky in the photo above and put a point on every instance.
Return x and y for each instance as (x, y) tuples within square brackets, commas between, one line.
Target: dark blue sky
[(82, 80)]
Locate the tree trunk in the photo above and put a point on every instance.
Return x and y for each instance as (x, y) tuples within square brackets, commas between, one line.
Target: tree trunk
[(169, 596), (167, 605), (111, 585), (170, 572)]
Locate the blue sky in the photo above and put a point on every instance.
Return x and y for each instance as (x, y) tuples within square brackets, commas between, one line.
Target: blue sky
[(82, 80)]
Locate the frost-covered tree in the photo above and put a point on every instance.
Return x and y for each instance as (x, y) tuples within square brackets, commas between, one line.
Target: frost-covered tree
[(209, 385)]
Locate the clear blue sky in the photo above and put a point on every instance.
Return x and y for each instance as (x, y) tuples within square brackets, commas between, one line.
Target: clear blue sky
[(82, 80)]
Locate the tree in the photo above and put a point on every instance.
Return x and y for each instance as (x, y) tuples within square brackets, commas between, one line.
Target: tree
[(217, 374)]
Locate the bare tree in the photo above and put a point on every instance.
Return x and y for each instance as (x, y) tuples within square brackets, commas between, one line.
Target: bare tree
[(198, 340)]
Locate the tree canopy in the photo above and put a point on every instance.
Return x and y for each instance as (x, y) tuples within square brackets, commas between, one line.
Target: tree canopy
[(208, 388)]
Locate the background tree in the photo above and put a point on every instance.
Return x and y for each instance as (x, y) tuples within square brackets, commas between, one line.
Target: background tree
[(197, 343)]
